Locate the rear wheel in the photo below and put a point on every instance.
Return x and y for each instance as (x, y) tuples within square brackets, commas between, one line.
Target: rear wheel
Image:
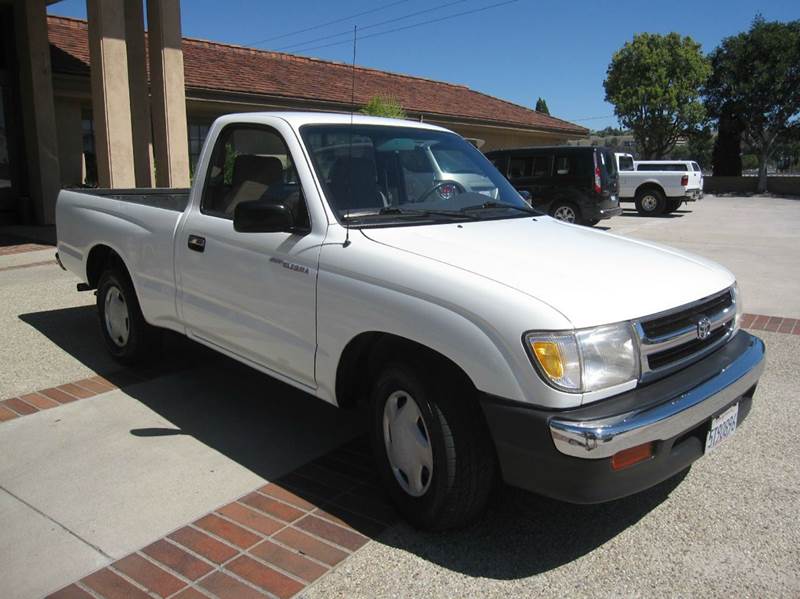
[(650, 202), (673, 205), (128, 337), (566, 211), (432, 445)]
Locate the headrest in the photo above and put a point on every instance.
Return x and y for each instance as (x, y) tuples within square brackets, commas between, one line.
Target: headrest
[(260, 169)]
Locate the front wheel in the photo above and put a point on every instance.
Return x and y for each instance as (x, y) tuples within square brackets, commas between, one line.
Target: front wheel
[(128, 337), (566, 211), (432, 446)]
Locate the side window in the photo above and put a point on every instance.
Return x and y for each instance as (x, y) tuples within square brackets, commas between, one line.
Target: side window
[(520, 167), (541, 166), (252, 163), (563, 166)]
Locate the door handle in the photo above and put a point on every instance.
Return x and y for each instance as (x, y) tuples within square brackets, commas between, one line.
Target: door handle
[(197, 243)]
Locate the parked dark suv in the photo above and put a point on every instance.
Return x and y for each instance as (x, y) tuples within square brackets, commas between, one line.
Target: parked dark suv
[(570, 183)]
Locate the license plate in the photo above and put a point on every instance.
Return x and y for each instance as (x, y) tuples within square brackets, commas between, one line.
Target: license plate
[(613, 199), (722, 427)]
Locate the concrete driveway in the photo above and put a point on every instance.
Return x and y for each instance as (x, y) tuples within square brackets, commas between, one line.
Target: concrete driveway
[(757, 238), (191, 478)]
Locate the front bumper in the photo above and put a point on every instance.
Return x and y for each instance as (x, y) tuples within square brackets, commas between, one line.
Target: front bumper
[(567, 454)]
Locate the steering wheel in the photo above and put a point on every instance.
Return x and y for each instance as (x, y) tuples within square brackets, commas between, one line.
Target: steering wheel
[(447, 190)]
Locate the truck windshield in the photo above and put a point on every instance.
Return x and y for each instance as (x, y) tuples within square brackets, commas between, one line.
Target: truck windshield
[(389, 173)]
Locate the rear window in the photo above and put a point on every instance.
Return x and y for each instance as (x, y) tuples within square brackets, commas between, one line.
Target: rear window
[(607, 160), (626, 163), (564, 166)]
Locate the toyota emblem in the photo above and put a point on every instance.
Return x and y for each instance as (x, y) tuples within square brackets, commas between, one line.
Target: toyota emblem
[(703, 328)]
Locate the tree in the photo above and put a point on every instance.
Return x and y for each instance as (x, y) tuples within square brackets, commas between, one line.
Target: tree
[(541, 106), (756, 79), (609, 131), (654, 84), (727, 155), (387, 106)]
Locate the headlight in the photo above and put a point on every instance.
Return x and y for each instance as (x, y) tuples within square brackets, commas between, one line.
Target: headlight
[(586, 360)]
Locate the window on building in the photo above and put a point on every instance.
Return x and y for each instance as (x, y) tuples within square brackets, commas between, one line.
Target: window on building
[(197, 135), (89, 154)]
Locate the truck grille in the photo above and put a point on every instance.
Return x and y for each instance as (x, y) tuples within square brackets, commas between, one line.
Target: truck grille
[(670, 341)]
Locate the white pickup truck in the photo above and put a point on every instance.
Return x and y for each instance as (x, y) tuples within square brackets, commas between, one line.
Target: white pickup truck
[(485, 339), (657, 187)]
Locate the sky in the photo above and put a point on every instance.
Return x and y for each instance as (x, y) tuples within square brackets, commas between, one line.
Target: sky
[(518, 50)]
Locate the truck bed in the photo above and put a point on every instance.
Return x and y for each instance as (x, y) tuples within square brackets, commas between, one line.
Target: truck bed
[(167, 198)]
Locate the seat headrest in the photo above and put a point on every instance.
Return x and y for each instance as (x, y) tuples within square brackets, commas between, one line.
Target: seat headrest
[(353, 181), (258, 169)]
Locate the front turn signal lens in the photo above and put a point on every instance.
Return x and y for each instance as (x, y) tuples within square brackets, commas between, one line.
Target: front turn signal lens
[(628, 457), (549, 358)]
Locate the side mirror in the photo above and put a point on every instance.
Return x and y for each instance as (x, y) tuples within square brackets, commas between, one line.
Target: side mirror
[(260, 217)]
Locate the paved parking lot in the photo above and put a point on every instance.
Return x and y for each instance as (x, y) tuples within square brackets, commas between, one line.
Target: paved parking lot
[(192, 478)]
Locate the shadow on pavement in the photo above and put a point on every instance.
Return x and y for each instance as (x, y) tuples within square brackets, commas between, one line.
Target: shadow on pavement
[(18, 234), (523, 534), (677, 214), (271, 428)]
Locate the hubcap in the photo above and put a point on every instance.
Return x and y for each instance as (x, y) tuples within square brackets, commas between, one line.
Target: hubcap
[(116, 317), (408, 444), (565, 213), (649, 203)]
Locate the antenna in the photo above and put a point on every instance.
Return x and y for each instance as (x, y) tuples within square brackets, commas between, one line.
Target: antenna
[(350, 138)]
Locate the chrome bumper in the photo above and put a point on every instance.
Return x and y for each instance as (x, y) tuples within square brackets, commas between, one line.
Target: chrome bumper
[(602, 438)]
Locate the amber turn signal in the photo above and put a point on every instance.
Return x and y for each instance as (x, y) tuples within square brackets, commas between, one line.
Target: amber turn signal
[(628, 457), (549, 358)]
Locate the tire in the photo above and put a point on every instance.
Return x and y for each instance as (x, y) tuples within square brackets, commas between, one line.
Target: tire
[(426, 419), (128, 337), (650, 202), (567, 212), (673, 205)]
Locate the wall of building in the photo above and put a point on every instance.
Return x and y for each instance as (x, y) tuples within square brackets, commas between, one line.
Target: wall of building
[(747, 185), (73, 98)]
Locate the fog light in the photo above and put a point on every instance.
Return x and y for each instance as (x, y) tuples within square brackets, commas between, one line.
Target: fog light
[(628, 457)]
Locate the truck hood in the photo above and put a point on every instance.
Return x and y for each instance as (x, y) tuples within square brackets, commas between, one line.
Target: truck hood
[(589, 276)]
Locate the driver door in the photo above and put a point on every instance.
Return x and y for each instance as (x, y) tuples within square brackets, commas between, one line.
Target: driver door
[(251, 294)]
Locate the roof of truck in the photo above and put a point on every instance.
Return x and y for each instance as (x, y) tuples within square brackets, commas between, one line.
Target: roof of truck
[(298, 119)]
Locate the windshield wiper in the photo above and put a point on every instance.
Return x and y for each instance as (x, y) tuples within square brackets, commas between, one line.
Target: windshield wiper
[(489, 205), (394, 210)]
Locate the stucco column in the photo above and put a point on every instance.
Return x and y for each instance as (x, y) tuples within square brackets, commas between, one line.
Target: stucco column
[(170, 137), (70, 141), (111, 106), (139, 94), (38, 114)]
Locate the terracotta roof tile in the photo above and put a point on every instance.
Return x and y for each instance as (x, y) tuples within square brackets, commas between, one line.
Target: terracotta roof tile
[(225, 67)]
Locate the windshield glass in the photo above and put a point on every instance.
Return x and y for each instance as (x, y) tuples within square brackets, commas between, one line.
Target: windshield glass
[(393, 172)]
